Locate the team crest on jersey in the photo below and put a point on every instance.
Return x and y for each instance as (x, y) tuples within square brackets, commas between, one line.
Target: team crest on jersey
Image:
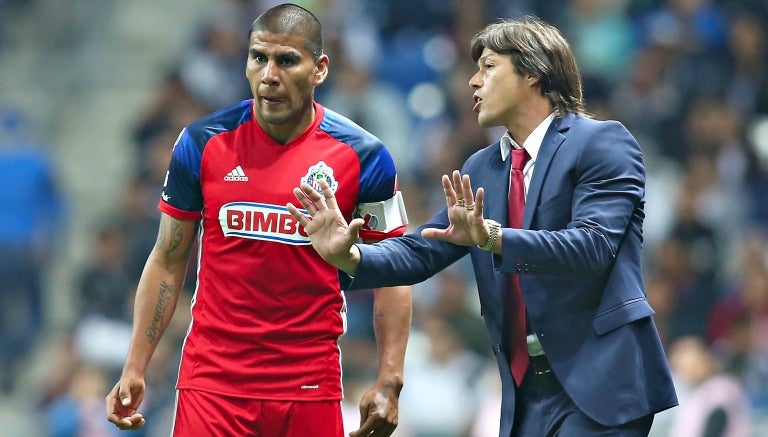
[(318, 172)]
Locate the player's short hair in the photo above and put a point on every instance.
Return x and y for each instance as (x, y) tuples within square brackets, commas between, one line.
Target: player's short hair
[(537, 49), (289, 18)]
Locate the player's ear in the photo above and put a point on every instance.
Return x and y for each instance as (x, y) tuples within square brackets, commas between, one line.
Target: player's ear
[(321, 69)]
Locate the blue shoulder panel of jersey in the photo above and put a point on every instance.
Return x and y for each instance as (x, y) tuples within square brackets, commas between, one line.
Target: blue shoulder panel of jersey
[(182, 188), (377, 169)]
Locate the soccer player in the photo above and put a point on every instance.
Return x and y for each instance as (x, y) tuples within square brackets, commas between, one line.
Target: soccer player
[(261, 357)]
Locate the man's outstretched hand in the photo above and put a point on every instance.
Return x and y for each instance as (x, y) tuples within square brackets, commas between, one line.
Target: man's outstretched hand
[(331, 236), (467, 226)]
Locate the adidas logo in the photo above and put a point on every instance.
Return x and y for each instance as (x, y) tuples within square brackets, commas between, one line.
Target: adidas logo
[(236, 175)]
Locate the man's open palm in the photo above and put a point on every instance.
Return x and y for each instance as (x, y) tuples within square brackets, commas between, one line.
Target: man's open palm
[(328, 230)]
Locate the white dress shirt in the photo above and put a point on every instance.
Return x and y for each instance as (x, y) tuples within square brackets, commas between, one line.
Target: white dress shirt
[(532, 144)]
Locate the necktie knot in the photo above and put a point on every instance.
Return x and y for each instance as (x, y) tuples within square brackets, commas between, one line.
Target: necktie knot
[(519, 158)]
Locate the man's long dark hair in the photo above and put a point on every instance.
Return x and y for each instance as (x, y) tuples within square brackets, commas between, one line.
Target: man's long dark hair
[(537, 49)]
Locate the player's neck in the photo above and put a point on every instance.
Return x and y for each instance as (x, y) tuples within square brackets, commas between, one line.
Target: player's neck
[(284, 133)]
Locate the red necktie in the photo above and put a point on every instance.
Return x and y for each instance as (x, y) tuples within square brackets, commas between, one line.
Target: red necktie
[(515, 304)]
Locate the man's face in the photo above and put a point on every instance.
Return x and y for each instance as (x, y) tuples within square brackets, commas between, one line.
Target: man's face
[(500, 91), (283, 78)]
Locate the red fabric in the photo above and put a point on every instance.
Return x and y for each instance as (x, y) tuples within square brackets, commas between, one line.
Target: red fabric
[(202, 413), (515, 304)]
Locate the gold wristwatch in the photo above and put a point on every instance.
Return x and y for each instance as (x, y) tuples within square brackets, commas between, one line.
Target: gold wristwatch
[(495, 231)]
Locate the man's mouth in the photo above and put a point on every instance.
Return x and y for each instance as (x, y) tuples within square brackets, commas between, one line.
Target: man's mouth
[(477, 100), (272, 100)]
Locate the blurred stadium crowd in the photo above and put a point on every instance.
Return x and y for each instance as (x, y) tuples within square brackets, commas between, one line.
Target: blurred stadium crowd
[(94, 94)]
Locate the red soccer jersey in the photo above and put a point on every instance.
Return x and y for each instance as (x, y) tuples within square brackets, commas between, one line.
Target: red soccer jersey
[(268, 311)]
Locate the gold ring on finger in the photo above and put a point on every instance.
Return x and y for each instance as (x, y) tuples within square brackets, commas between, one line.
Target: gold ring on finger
[(461, 203), (470, 207)]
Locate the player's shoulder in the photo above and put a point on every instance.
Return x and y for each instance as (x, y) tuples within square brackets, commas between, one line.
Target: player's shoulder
[(346, 131), (220, 121)]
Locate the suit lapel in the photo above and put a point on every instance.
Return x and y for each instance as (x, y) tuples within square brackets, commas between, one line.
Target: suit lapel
[(494, 179), (552, 141), (496, 187)]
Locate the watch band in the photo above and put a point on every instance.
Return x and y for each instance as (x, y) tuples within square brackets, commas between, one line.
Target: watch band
[(494, 231)]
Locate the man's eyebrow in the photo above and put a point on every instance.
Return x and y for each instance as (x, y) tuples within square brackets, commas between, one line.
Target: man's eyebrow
[(483, 58), (289, 56), (286, 56)]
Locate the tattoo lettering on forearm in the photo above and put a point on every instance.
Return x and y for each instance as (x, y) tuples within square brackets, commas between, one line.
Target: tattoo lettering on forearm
[(163, 303)]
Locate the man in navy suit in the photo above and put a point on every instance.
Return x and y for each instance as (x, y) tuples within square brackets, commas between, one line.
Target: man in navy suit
[(565, 230)]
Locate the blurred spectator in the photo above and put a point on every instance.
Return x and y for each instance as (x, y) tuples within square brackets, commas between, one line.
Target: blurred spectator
[(439, 369), (717, 175), (648, 101), (105, 285), (695, 32), (172, 107), (78, 412), (138, 219), (31, 223), (452, 305), (376, 105), (488, 417), (712, 403), (105, 301), (738, 322), (602, 38), (747, 296), (213, 69), (747, 89), (685, 265)]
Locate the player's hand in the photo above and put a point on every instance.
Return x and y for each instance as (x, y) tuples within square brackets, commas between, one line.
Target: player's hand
[(378, 412), (465, 213), (328, 230), (123, 402)]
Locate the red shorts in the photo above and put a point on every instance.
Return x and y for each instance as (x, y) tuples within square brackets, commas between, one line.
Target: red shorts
[(203, 414)]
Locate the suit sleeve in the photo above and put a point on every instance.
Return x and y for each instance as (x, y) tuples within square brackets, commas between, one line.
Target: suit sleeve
[(608, 190), (406, 260)]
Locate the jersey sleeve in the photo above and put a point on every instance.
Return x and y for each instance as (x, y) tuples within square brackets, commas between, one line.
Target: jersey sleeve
[(380, 202), (182, 196)]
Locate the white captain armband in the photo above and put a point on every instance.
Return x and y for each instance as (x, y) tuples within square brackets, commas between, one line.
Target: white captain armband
[(385, 216)]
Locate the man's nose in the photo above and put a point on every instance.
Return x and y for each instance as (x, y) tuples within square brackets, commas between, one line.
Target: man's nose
[(474, 81), (270, 74)]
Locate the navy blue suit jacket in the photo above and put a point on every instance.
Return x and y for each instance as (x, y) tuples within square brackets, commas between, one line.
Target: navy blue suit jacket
[(579, 260)]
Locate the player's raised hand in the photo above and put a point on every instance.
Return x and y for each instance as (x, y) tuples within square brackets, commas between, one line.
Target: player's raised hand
[(328, 230), (465, 213), (123, 402)]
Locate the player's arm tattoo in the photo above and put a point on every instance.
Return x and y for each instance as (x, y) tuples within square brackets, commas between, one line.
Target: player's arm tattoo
[(177, 236), (164, 299), (172, 239)]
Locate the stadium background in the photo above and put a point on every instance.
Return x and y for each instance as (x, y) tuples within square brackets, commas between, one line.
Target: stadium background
[(94, 93)]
